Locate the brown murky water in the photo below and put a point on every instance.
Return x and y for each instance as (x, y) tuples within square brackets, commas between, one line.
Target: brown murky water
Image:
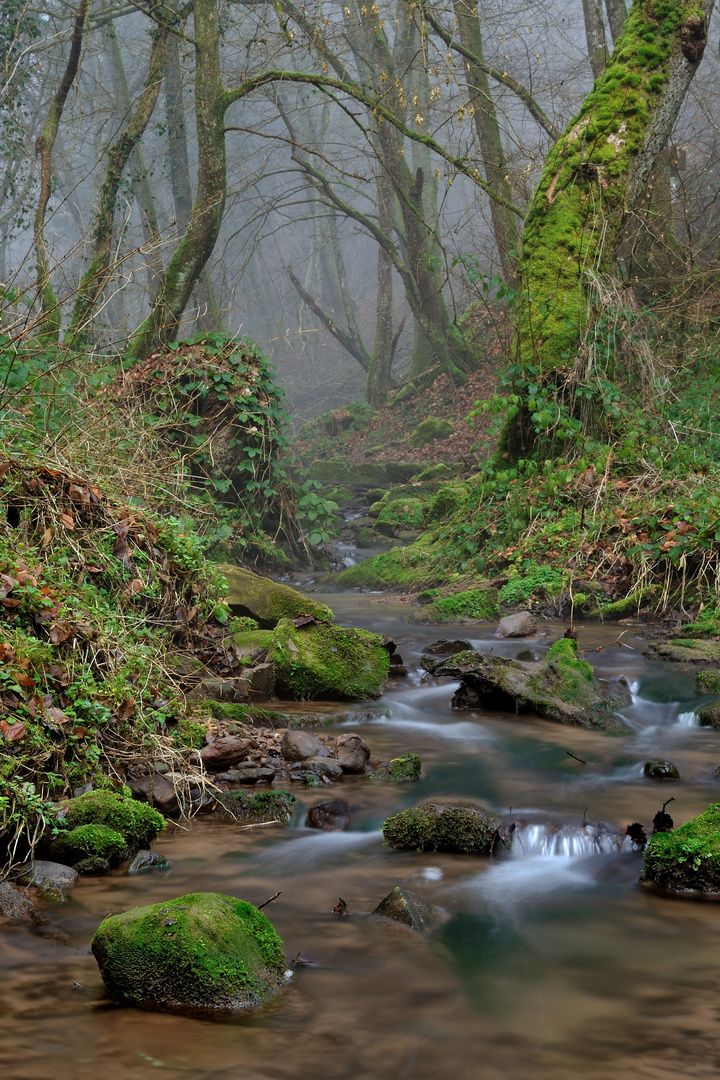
[(550, 966)]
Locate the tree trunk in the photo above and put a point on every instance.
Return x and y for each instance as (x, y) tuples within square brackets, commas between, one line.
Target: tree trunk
[(595, 35), (489, 138), (48, 326), (617, 14), (594, 177), (97, 273), (378, 380), (190, 257)]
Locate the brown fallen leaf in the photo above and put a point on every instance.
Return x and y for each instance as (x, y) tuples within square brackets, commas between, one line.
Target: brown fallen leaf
[(56, 715), (4, 466), (136, 585), (12, 732), (60, 632), (68, 521), (8, 602), (126, 710), (292, 646)]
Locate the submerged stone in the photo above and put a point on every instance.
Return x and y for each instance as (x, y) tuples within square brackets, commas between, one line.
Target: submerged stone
[(145, 862), (399, 770), (404, 906), (200, 951), (441, 826), (332, 816), (659, 769), (686, 861)]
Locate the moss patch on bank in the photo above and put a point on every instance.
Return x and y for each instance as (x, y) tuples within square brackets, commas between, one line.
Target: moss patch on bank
[(686, 860)]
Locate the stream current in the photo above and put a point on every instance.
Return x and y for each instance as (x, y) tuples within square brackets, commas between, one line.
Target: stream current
[(553, 963)]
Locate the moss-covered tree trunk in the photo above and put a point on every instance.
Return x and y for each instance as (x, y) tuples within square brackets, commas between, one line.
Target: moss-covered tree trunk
[(97, 273), (596, 175), (191, 255), (378, 379)]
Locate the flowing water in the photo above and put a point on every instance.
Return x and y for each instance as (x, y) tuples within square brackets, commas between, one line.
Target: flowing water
[(552, 963)]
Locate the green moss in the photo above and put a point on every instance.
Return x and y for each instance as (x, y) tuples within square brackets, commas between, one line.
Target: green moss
[(267, 601), (480, 604), (630, 605), (441, 827), (399, 770), (688, 858), (189, 733), (137, 823), (321, 661), (441, 471), (707, 624), (532, 580), (429, 429), (447, 502), (709, 680), (202, 950), (89, 842), (242, 624), (400, 514), (250, 644), (402, 569), (258, 806), (340, 495)]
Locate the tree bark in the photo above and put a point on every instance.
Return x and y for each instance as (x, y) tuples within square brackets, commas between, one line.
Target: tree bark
[(617, 14), (190, 257), (378, 380), (489, 139), (595, 35), (594, 177), (97, 273), (48, 325)]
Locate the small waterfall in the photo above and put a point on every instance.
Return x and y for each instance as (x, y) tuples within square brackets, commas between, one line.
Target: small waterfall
[(566, 841), (643, 712)]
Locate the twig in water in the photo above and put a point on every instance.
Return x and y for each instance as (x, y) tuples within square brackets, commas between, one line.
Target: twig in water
[(270, 901), (580, 759)]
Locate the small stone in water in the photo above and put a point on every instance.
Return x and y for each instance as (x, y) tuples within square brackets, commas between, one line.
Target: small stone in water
[(659, 769), (146, 862)]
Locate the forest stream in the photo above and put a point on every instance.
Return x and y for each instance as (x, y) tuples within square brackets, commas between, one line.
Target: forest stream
[(553, 962)]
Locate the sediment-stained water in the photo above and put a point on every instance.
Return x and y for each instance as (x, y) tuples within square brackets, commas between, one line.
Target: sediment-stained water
[(552, 962)]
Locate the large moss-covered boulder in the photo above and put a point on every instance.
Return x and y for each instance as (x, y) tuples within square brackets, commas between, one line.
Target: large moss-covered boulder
[(447, 501), (440, 826), (321, 660), (265, 600), (686, 861), (561, 687), (135, 822), (200, 951), (400, 514), (433, 427)]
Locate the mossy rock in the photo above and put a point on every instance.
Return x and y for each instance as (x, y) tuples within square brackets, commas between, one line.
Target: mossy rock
[(368, 538), (474, 605), (339, 495), (199, 951), (400, 472), (629, 606), (257, 806), (709, 716), (446, 502), (399, 770), (400, 514), (442, 827), (430, 429), (709, 681), (686, 651), (325, 661), (136, 822), (686, 861), (376, 509), (561, 687), (401, 569), (89, 842), (265, 600), (330, 470), (374, 495), (250, 644), (441, 471)]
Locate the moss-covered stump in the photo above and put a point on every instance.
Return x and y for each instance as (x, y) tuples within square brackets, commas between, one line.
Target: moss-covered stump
[(562, 687), (135, 822), (442, 827), (400, 770), (686, 651), (318, 661), (686, 861), (265, 600), (200, 951), (471, 606)]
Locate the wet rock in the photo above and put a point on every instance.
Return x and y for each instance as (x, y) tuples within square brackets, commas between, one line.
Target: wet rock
[(710, 716), (442, 826), (225, 752), (659, 769), (145, 862), (333, 816), (256, 806), (157, 790), (407, 907), (299, 745), (522, 624), (529, 654), (261, 682), (200, 951), (51, 879), (399, 770), (352, 753), (317, 660), (323, 766), (686, 861), (93, 865), (265, 600), (367, 538), (250, 773), (444, 647), (561, 687), (686, 651), (14, 904)]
